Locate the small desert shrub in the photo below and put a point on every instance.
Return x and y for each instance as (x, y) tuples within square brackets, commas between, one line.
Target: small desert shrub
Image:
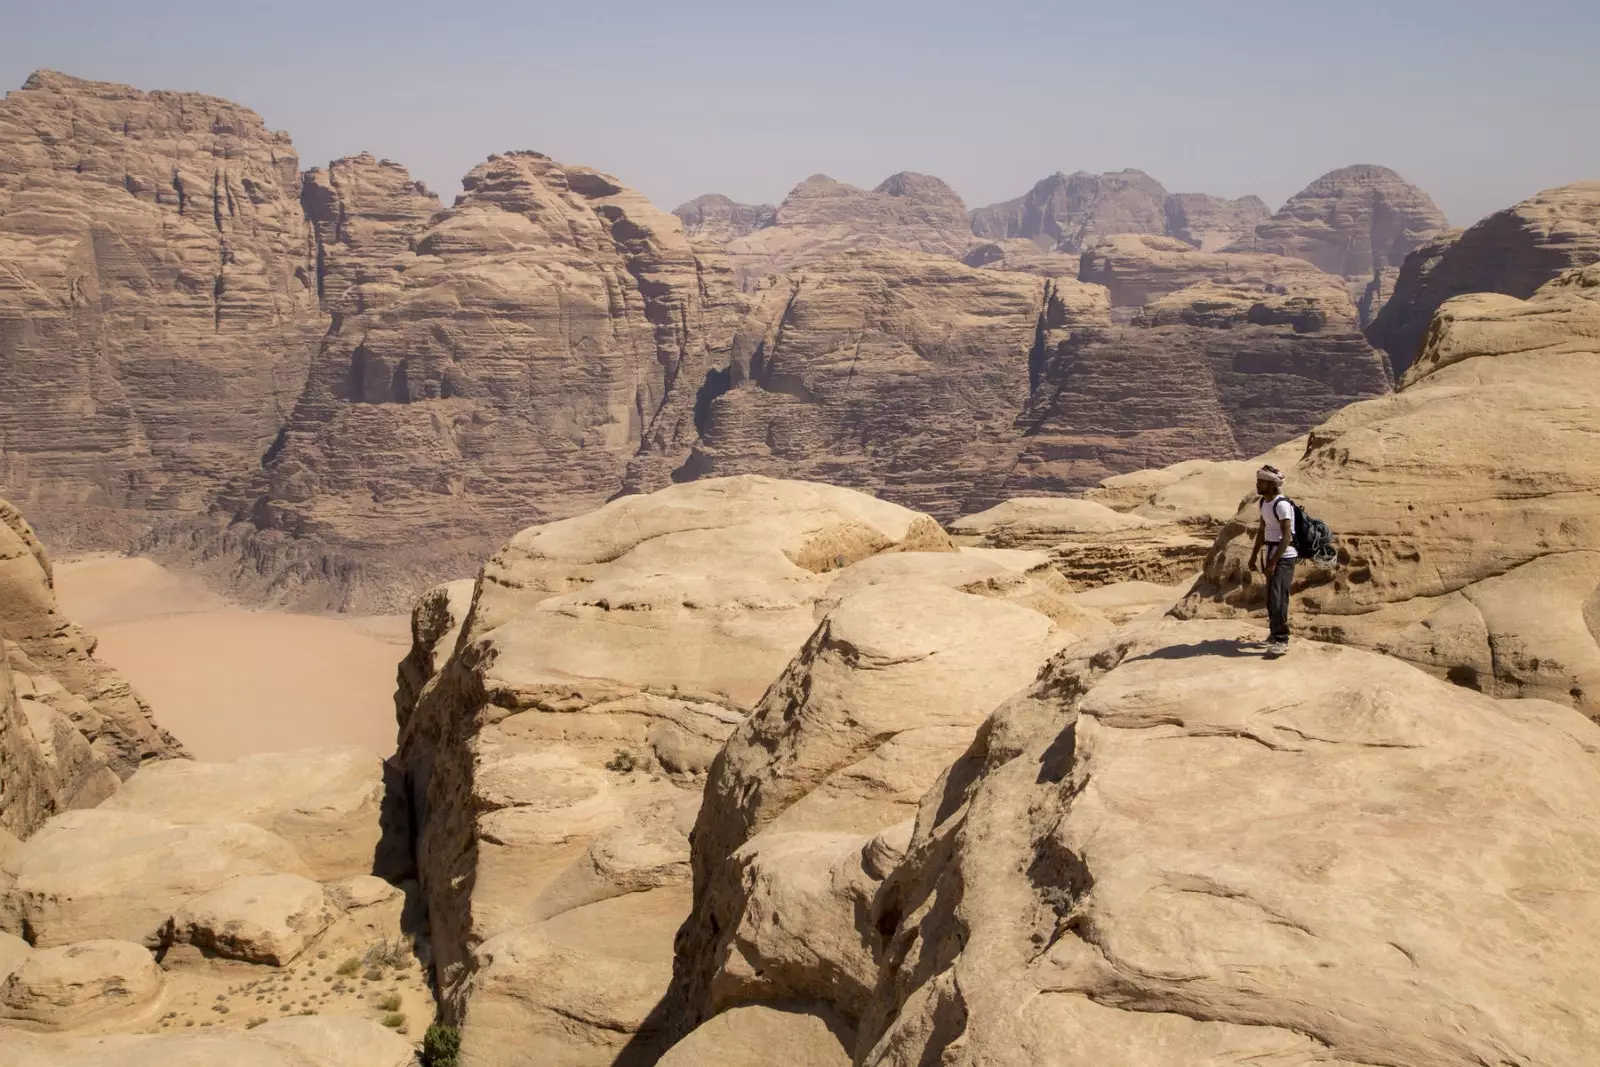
[(257, 1021), (393, 1019), (390, 952), (621, 761), (348, 967), (441, 1046), (389, 1002)]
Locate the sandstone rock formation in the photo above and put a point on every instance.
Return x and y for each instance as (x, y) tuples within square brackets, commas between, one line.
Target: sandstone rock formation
[(309, 1041), (69, 725), (158, 306), (1210, 223), (1514, 252), (526, 345), (363, 212), (1138, 268), (1018, 254), (821, 217), (885, 371), (263, 918), (1216, 371), (1463, 503), (1090, 544), (1068, 212), (1359, 222), (715, 219), (90, 982), (557, 756), (1197, 493), (557, 740), (1113, 873)]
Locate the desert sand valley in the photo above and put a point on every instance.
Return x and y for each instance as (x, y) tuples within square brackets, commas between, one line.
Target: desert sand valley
[(542, 629)]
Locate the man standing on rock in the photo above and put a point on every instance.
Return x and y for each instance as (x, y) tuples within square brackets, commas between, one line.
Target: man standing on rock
[(1276, 533)]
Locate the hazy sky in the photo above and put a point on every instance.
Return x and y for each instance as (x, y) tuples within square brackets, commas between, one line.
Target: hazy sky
[(1480, 103)]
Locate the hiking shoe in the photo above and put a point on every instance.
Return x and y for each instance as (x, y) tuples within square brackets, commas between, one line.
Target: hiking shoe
[(1277, 647)]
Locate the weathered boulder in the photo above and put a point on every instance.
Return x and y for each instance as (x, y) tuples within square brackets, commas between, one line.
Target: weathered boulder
[(304, 1041), (262, 918), (158, 305), (1198, 493), (324, 802), (88, 982), (1171, 852), (1464, 504), (111, 874), (821, 218), (1514, 252)]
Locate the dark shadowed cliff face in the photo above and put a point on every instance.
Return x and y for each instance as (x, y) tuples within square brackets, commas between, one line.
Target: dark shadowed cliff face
[(158, 304), (1514, 252)]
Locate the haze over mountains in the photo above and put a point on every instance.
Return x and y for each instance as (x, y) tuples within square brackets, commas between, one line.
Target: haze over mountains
[(328, 388)]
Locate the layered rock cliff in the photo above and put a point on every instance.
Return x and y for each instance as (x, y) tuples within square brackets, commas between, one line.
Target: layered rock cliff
[(1514, 252), (158, 302), (506, 361), (1358, 222), (822, 217), (716, 219)]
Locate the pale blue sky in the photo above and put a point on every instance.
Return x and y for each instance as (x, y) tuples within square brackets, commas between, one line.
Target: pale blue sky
[(1480, 103)]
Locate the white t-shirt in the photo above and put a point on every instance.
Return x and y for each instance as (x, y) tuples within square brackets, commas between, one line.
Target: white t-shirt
[(1271, 511)]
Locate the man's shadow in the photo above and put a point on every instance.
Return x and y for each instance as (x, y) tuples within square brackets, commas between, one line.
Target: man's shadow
[(1237, 649)]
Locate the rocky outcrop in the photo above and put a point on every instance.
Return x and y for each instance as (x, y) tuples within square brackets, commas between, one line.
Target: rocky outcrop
[(1358, 222), (507, 365), (1116, 854), (1090, 544), (1464, 504), (1068, 212), (70, 726), (1514, 252), (890, 372), (821, 217), (264, 918), (557, 757), (158, 304), (1217, 371), (715, 219), (806, 807), (1210, 223), (363, 213), (1200, 494), (91, 982)]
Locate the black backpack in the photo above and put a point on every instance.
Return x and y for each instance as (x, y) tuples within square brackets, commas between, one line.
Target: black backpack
[(1312, 538)]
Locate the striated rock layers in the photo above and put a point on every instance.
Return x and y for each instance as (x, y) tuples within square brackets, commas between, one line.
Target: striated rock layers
[(505, 362), (70, 727), (821, 217), (715, 219), (1514, 252), (1139, 268), (1222, 371), (158, 302), (1069, 212), (1358, 222), (1464, 504), (890, 372)]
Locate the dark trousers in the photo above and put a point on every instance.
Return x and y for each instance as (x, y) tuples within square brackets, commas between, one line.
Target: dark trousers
[(1278, 583)]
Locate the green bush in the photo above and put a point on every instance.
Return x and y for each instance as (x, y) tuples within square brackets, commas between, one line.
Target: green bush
[(441, 1046), (348, 967), (389, 1002), (393, 1019)]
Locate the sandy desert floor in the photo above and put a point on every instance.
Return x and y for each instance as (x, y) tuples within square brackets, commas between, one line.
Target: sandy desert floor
[(227, 680)]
